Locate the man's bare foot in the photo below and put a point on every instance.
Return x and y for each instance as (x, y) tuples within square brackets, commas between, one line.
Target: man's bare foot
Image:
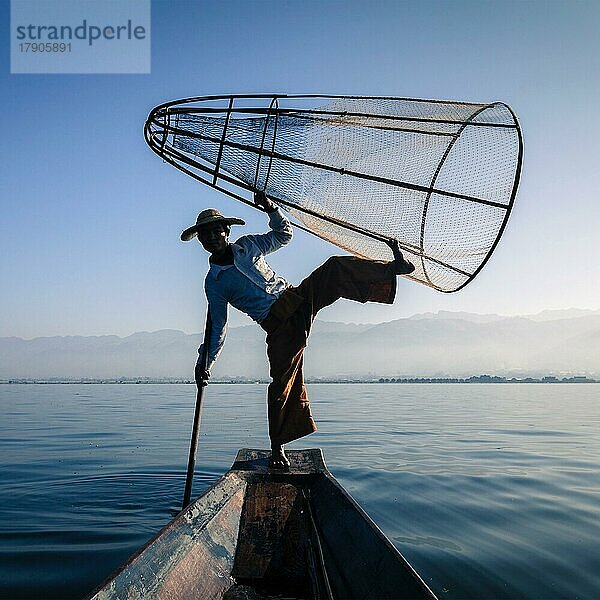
[(401, 265), (278, 459)]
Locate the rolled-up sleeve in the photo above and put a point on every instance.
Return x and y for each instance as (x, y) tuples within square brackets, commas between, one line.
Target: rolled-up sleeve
[(281, 233)]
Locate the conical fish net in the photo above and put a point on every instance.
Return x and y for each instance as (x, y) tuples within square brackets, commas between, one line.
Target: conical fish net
[(440, 177)]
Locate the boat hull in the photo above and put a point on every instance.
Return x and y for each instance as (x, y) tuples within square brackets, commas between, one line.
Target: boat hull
[(256, 531)]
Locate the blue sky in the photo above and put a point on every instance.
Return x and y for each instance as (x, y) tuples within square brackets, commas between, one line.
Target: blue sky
[(91, 217)]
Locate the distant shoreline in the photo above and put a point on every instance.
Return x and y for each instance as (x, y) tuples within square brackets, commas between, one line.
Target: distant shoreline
[(493, 379)]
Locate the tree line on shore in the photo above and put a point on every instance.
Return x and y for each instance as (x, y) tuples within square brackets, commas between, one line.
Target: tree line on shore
[(167, 380)]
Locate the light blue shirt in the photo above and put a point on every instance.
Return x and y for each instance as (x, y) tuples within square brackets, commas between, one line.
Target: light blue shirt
[(242, 293), (249, 284)]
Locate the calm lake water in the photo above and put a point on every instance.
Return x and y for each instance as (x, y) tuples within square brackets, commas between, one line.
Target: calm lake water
[(491, 491)]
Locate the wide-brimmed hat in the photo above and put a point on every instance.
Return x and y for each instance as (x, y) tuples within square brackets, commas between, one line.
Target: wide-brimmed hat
[(210, 215)]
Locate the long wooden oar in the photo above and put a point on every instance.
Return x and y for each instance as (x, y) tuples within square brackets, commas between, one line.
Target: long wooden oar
[(196, 428)]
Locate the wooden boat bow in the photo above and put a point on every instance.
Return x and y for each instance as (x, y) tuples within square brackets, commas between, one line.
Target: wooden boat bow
[(258, 534)]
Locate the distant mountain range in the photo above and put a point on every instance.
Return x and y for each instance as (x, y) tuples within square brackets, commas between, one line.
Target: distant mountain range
[(445, 344), (545, 315)]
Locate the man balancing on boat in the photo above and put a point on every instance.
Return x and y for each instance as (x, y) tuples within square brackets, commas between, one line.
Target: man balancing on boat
[(240, 276)]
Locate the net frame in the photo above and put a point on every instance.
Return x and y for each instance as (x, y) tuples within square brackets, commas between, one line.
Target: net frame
[(163, 127)]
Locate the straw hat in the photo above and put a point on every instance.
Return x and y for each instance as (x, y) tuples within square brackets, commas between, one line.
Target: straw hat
[(210, 215)]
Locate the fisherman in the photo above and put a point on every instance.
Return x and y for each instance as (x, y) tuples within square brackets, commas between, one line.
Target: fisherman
[(240, 276)]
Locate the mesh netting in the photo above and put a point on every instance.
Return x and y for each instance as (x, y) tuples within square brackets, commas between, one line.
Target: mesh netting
[(440, 177)]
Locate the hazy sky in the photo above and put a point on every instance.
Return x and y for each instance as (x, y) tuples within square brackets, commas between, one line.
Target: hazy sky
[(89, 234)]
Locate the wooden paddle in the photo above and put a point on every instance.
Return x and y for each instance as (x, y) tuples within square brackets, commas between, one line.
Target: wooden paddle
[(201, 383)]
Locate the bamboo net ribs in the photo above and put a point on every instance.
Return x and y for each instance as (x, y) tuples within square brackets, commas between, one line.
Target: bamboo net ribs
[(438, 176)]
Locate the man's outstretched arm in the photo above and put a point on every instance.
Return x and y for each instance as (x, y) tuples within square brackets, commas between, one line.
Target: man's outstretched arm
[(281, 230), (217, 307)]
